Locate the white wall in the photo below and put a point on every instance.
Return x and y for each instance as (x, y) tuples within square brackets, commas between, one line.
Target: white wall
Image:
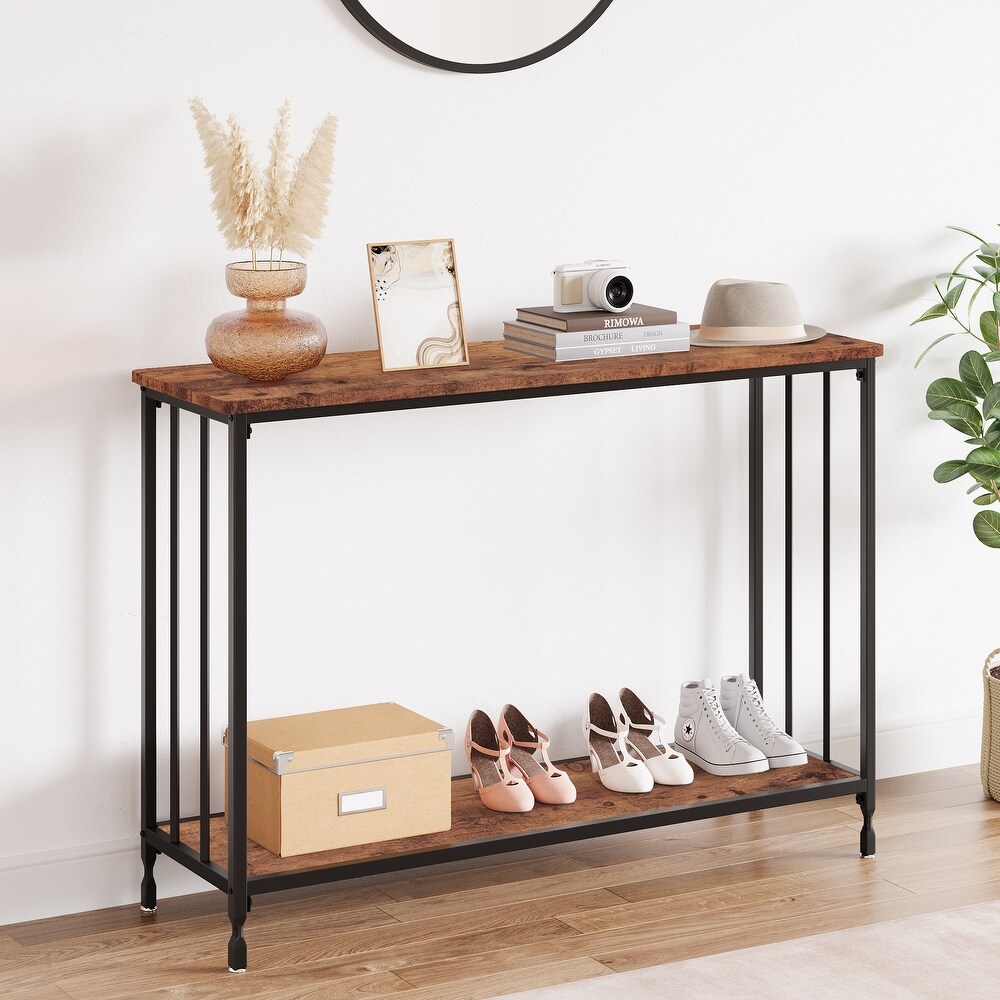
[(588, 542)]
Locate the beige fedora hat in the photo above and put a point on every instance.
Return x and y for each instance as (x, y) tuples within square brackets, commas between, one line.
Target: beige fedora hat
[(740, 312)]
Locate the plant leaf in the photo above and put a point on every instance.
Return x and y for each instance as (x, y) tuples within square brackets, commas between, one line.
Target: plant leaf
[(944, 391), (975, 372), (978, 442), (991, 404), (964, 417), (975, 295), (947, 471), (975, 486), (952, 275), (936, 311), (988, 328), (934, 343), (960, 264), (986, 525), (989, 457), (953, 294), (965, 232), (957, 408), (988, 259), (985, 500), (986, 273), (984, 462)]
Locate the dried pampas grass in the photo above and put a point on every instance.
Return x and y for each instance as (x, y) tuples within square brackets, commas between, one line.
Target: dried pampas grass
[(219, 161), (245, 195), (279, 175), (280, 208), (309, 191)]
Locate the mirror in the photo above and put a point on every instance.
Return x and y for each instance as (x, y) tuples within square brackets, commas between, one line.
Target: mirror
[(477, 36)]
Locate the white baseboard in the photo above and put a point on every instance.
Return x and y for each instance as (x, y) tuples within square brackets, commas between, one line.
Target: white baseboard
[(33, 886), (910, 746), (94, 877)]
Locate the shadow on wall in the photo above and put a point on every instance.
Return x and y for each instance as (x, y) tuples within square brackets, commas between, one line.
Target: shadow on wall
[(68, 635), (863, 292), (76, 319), (71, 195)]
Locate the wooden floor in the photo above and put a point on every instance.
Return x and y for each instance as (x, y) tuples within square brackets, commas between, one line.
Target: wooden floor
[(594, 908)]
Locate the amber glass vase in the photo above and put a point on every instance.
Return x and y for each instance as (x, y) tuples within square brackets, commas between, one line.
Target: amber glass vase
[(266, 341)]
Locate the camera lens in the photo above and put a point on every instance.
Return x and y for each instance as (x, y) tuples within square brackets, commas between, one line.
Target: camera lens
[(619, 292), (609, 288)]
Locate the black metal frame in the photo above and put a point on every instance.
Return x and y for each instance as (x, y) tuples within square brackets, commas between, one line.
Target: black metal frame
[(164, 838), (361, 15)]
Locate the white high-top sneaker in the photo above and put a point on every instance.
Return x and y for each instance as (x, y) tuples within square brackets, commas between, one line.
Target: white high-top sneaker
[(703, 734), (744, 709)]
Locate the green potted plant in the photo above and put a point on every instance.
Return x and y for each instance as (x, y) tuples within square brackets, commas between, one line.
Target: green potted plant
[(971, 405)]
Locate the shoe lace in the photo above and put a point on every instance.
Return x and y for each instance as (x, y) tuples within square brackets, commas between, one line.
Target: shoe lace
[(766, 726), (725, 732)]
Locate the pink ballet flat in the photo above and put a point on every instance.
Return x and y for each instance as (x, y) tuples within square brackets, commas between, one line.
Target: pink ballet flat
[(522, 740), (488, 762)]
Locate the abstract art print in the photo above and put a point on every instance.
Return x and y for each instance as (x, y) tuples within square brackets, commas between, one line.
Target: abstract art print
[(418, 309)]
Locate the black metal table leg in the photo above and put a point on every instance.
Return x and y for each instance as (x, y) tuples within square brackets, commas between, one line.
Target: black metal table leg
[(175, 708), (826, 566), (756, 583), (789, 554), (147, 890), (237, 757), (204, 767), (866, 375)]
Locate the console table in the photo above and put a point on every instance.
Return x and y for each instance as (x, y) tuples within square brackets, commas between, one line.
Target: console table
[(355, 383)]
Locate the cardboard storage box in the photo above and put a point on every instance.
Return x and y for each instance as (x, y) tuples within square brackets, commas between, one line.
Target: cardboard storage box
[(350, 776)]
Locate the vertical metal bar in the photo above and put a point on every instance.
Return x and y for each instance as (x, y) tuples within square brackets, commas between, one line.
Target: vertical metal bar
[(147, 794), (756, 583), (867, 512), (788, 553), (826, 566), (205, 776), (175, 792), (237, 756)]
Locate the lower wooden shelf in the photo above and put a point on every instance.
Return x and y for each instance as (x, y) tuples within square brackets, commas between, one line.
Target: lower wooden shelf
[(472, 823)]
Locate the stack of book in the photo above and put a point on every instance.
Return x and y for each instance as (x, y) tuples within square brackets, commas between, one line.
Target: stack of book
[(573, 336)]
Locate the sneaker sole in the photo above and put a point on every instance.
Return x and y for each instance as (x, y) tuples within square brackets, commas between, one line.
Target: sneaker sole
[(790, 760), (747, 767)]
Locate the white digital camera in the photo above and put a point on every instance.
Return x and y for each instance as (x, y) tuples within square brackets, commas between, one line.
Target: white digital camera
[(594, 284)]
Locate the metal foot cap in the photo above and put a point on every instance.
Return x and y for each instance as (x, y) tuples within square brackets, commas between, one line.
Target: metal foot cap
[(147, 909), (237, 971), (866, 856)]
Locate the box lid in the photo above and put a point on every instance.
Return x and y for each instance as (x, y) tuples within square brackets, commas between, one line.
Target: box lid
[(343, 736)]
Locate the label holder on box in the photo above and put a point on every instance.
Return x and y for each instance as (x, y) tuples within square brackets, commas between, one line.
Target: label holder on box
[(365, 801)]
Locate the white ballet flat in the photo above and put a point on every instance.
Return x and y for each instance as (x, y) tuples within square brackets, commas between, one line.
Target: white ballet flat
[(612, 757), (644, 732)]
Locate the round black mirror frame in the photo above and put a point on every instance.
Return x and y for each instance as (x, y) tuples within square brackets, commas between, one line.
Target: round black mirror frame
[(356, 7)]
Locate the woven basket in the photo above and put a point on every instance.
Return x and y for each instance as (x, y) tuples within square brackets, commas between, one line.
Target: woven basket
[(990, 762)]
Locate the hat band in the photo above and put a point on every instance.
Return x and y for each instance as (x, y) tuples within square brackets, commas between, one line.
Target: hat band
[(752, 333)]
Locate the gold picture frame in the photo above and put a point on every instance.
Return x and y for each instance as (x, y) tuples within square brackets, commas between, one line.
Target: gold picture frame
[(418, 304)]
